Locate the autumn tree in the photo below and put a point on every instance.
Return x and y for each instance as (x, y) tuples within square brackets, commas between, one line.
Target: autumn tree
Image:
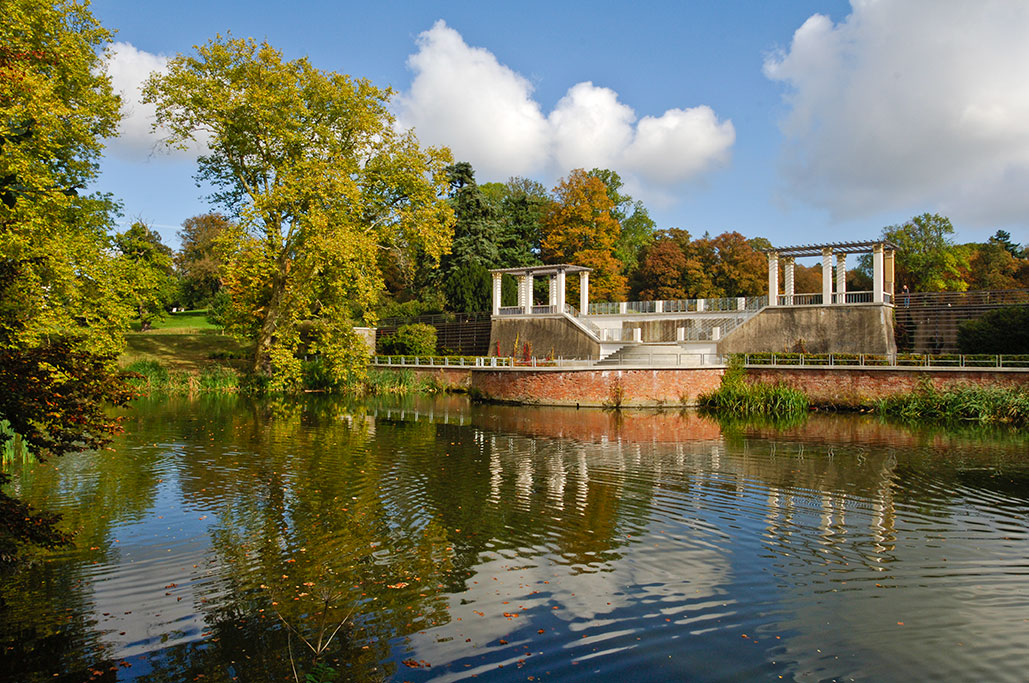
[(637, 226), (676, 266), (148, 277), (322, 180), (578, 228), (198, 261), (60, 314)]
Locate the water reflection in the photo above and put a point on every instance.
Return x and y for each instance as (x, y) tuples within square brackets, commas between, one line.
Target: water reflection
[(452, 539)]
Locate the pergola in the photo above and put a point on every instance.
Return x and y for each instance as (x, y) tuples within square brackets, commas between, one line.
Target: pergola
[(882, 252), (556, 273)]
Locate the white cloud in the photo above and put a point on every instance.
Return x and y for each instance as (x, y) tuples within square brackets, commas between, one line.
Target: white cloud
[(914, 105), (129, 68), (462, 97)]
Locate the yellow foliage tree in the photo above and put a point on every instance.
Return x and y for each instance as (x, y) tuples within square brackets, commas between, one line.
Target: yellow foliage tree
[(322, 181), (578, 228)]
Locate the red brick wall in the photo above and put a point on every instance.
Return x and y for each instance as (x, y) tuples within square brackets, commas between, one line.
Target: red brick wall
[(597, 387), (846, 386)]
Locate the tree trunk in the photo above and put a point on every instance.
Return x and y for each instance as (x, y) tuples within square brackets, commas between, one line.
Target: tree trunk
[(269, 326)]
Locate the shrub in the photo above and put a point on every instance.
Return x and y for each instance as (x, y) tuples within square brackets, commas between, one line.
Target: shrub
[(740, 398), (1005, 330), (417, 339)]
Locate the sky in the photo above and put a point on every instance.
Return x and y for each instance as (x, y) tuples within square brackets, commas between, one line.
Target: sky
[(795, 120)]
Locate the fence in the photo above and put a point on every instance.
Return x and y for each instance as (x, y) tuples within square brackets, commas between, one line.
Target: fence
[(928, 322), (897, 360)]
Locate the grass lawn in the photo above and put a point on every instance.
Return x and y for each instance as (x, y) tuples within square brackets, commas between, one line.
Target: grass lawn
[(178, 351), (184, 322)]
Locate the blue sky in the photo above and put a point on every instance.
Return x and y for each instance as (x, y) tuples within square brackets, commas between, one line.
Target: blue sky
[(797, 121)]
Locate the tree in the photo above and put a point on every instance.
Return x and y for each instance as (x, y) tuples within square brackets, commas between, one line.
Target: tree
[(198, 260), (465, 271), (993, 267), (578, 228), (322, 181), (926, 260), (56, 107), (637, 225), (1003, 238), (145, 264), (60, 316)]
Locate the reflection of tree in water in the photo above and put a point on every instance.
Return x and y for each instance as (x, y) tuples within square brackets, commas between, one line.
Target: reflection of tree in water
[(46, 607)]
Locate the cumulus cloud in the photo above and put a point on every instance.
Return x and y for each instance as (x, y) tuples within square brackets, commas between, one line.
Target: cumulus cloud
[(464, 98), (920, 104), (129, 67)]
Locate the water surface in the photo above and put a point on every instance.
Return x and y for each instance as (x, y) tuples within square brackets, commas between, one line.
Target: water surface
[(453, 540)]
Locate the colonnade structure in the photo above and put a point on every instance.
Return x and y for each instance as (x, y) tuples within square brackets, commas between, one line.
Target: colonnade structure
[(882, 252), (526, 276), (626, 332)]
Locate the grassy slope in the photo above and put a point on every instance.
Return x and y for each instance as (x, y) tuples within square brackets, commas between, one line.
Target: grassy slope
[(182, 341)]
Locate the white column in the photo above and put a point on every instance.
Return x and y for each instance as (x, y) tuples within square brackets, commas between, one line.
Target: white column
[(841, 278), (826, 276), (552, 290), (788, 275), (528, 295), (700, 305), (659, 306), (497, 289), (877, 273), (584, 291), (889, 273), (773, 278), (560, 294)]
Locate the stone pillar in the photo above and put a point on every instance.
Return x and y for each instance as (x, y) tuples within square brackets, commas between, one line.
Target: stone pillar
[(528, 294), (497, 289), (788, 264), (552, 290), (623, 307), (877, 273), (826, 276), (560, 302), (888, 273), (700, 305), (584, 291), (659, 306), (841, 278), (741, 303), (773, 278)]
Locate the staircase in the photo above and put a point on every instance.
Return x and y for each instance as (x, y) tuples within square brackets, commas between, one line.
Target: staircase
[(661, 355)]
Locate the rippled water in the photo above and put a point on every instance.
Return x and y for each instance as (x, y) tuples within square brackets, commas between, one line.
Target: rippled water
[(453, 540)]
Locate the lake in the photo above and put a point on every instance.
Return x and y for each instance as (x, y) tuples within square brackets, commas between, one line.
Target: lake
[(226, 539)]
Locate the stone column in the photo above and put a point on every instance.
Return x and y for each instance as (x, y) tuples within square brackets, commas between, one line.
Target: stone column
[(877, 273), (497, 289), (560, 303), (788, 264), (527, 305), (773, 278), (584, 292), (841, 278), (552, 290), (826, 276)]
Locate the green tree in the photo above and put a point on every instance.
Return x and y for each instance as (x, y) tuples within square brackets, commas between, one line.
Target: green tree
[(637, 225), (61, 319), (465, 270), (56, 107), (1003, 238), (927, 260), (578, 228), (322, 181), (198, 261), (145, 264)]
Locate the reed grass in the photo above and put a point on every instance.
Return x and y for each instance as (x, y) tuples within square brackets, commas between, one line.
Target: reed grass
[(970, 404), (739, 398), (152, 377)]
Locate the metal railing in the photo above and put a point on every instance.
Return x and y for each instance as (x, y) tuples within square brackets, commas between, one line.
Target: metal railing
[(894, 360), (443, 361), (663, 360)]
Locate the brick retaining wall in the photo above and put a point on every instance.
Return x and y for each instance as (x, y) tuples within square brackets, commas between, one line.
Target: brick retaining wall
[(591, 387), (655, 387), (856, 386)]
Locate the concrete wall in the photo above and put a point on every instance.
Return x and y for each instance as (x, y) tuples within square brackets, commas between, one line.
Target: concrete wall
[(815, 329), (367, 335), (546, 336)]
